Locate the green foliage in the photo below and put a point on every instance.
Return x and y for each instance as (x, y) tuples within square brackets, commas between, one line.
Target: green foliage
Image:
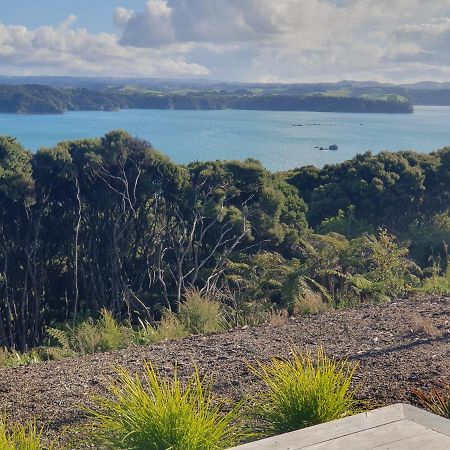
[(346, 224), (240, 312), (169, 328), (160, 413), (430, 240), (309, 301), (303, 391), (387, 189), (390, 272), (16, 180), (127, 231), (13, 358), (24, 437), (90, 337), (45, 99), (371, 267), (439, 285), (199, 314), (260, 276), (330, 271)]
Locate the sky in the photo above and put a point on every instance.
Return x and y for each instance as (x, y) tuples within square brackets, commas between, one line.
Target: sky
[(234, 40)]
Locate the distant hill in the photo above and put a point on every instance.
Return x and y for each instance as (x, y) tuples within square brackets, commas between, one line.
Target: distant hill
[(421, 93), (36, 98)]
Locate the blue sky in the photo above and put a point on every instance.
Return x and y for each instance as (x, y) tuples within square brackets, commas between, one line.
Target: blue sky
[(247, 40), (95, 15)]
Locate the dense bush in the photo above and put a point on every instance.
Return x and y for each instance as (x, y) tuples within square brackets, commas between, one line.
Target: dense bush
[(112, 224)]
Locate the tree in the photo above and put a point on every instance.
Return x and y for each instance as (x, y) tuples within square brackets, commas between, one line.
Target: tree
[(21, 277)]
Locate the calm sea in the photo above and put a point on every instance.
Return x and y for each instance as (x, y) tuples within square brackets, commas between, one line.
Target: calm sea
[(268, 136)]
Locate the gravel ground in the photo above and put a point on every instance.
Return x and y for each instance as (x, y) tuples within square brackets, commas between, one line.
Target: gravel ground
[(398, 346)]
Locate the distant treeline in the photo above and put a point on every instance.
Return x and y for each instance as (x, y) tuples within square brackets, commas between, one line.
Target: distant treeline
[(438, 97), (112, 223), (32, 99)]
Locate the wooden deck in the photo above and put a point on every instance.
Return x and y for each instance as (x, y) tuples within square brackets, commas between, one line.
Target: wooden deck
[(395, 427)]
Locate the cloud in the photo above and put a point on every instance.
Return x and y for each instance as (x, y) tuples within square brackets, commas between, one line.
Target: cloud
[(167, 21), (149, 28), (122, 16), (299, 40), (63, 50), (426, 43), (248, 40)]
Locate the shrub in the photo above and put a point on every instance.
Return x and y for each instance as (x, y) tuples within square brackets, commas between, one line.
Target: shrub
[(436, 401), (241, 313), (309, 302), (439, 285), (13, 358), (24, 437), (200, 314), (90, 337), (259, 277), (391, 271), (345, 223), (303, 391), (277, 318), (168, 328), (159, 414)]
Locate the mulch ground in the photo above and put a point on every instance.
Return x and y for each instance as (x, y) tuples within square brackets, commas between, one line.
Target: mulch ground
[(398, 346)]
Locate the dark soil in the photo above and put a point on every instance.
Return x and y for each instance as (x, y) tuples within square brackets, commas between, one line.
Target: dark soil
[(398, 346)]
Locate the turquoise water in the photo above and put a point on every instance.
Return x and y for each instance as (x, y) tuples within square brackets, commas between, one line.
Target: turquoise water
[(265, 135)]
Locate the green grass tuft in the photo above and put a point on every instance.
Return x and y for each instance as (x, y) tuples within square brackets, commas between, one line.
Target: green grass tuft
[(24, 437), (303, 391), (200, 314), (160, 414)]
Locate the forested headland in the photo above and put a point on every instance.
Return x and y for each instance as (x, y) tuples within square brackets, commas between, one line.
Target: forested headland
[(40, 99), (112, 224)]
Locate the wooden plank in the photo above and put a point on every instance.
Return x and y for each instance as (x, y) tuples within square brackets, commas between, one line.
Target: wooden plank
[(427, 419), (431, 440), (373, 429), (330, 430), (373, 437)]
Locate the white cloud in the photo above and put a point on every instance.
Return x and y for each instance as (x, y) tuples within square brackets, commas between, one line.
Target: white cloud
[(63, 50), (122, 16), (295, 40), (251, 40), (427, 43), (149, 28)]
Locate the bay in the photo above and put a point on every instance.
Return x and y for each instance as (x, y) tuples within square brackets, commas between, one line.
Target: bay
[(280, 140)]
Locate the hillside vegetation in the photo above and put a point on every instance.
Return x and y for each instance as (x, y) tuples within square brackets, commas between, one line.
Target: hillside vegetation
[(44, 99), (110, 224)]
